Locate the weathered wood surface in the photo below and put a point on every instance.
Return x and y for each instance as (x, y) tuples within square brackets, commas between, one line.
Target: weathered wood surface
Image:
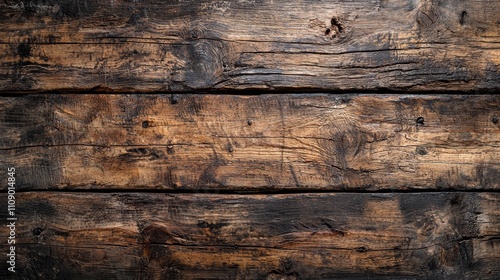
[(440, 235), (252, 143), (302, 45)]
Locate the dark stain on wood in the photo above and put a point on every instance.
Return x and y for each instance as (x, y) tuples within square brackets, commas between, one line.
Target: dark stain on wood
[(156, 234), (214, 228), (24, 50), (489, 176), (40, 206)]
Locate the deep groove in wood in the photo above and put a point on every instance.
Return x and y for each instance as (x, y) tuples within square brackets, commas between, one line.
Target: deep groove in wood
[(211, 191)]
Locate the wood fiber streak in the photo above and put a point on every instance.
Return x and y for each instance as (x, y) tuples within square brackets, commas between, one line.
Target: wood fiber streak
[(303, 45), (298, 236), (252, 143)]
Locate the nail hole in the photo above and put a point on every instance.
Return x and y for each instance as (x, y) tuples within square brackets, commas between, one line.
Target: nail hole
[(494, 119), (361, 250), (37, 231), (249, 122), (421, 151), (420, 121), (170, 148), (174, 99), (52, 39), (327, 31), (230, 148), (462, 17), (145, 124), (336, 22), (194, 35)]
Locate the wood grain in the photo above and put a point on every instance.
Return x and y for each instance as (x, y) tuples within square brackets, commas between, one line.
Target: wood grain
[(151, 46), (261, 143), (297, 236)]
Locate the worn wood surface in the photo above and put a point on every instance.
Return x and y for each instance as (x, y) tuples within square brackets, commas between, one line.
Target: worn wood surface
[(442, 235), (252, 143), (319, 186), (304, 45)]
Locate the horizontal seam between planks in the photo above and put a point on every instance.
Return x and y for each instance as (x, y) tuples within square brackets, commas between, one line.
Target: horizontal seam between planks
[(214, 191)]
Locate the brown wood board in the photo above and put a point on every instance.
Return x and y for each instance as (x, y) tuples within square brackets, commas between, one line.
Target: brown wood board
[(261, 143), (441, 235), (151, 46)]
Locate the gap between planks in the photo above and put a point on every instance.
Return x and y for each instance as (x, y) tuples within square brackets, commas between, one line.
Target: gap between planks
[(252, 192)]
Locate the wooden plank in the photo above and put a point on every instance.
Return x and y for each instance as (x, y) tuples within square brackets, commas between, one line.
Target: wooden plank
[(305, 45), (252, 143), (295, 236)]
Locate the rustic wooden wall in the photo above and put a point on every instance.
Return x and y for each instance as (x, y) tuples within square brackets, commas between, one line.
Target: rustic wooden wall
[(158, 179)]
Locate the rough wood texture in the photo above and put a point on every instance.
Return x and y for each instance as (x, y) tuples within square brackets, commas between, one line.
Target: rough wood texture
[(271, 187), (299, 236), (252, 143), (302, 45)]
